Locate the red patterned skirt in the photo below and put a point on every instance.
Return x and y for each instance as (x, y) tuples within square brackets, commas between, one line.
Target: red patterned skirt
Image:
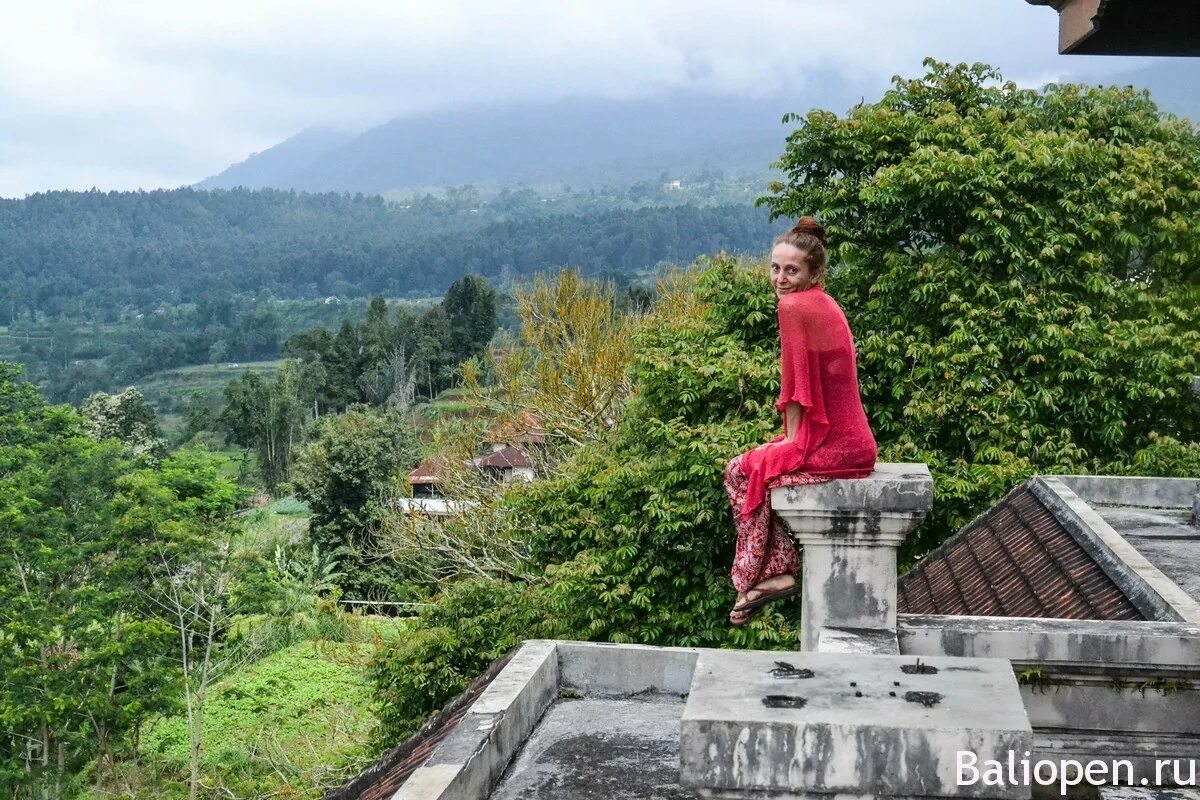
[(764, 548)]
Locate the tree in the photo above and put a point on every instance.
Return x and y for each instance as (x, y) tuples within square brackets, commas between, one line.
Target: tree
[(569, 366), (347, 473), (127, 418), (85, 656), (185, 517), (1002, 254), (268, 418), (470, 305)]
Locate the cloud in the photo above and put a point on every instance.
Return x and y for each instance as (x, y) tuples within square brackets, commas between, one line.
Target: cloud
[(141, 94)]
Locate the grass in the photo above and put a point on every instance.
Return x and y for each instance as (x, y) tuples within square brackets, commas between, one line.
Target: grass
[(289, 725)]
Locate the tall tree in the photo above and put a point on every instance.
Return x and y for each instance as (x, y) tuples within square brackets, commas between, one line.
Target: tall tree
[(127, 418), (470, 305), (347, 474)]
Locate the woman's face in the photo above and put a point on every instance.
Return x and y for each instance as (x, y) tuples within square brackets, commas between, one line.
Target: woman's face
[(789, 273)]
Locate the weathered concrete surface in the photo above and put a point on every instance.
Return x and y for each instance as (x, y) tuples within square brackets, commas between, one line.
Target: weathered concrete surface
[(601, 750), (1162, 646), (607, 670), (1167, 538), (864, 641), (469, 761), (829, 723), (850, 530), (1111, 490), (1092, 690), (1147, 793), (845, 587), (1152, 592), (895, 488)]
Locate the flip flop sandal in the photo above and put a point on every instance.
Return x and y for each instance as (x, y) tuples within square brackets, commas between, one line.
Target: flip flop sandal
[(768, 598), (744, 615)]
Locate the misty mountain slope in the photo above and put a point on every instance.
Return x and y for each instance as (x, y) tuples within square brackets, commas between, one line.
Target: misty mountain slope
[(594, 141), (275, 166), (576, 140)]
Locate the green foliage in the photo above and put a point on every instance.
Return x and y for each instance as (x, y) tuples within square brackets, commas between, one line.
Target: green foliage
[(269, 418), (281, 727), (84, 650), (470, 305), (353, 464), (127, 418), (1164, 457), (475, 622), (1020, 271)]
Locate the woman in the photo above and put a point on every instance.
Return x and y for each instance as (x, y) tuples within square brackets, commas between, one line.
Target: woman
[(825, 430)]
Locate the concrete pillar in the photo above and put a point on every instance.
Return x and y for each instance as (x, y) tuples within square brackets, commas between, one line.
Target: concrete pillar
[(850, 531)]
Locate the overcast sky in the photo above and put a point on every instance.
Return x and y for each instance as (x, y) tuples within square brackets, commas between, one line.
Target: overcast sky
[(124, 95)]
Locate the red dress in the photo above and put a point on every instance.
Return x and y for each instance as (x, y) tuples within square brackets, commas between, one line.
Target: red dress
[(818, 370)]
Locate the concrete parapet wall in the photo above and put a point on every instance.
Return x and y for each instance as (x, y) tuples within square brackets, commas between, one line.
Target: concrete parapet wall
[(1128, 491), (1092, 689), (469, 762), (1169, 646), (607, 670)]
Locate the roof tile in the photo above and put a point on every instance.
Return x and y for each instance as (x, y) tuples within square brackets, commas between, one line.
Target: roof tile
[(1015, 560)]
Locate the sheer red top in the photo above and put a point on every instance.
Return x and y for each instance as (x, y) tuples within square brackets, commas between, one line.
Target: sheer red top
[(819, 371)]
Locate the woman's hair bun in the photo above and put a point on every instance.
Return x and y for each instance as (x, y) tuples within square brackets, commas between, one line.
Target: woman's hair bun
[(810, 226)]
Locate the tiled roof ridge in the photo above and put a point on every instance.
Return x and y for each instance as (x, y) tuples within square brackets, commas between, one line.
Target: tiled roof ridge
[(1016, 559), (393, 767)]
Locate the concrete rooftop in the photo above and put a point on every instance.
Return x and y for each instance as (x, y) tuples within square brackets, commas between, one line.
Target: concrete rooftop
[(600, 749)]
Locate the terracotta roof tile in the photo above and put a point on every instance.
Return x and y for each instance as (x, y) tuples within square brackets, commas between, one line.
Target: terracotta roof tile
[(507, 458), (1016, 560)]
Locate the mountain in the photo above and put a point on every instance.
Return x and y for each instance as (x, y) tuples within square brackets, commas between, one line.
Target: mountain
[(1172, 83), (274, 166), (581, 141), (591, 141)]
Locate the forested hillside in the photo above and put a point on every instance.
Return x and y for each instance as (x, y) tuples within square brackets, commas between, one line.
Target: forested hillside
[(95, 256)]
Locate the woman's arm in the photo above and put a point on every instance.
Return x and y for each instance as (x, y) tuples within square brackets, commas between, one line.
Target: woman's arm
[(792, 412)]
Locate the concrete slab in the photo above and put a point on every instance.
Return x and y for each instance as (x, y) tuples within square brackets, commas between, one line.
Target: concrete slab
[(1163, 647), (895, 488), (592, 749), (1166, 537), (830, 723)]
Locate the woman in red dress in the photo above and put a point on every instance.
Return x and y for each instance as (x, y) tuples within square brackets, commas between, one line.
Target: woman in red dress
[(825, 430)]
